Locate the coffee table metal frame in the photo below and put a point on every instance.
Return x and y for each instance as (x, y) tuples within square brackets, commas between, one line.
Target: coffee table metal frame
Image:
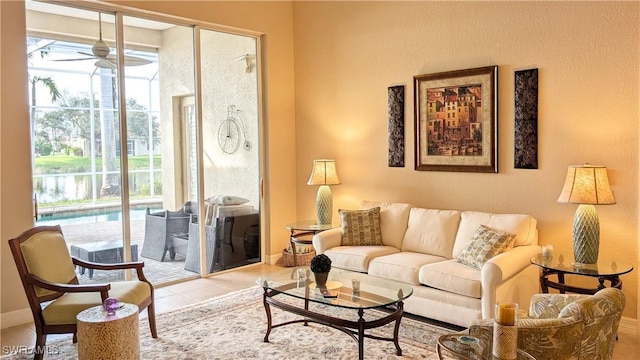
[(364, 300)]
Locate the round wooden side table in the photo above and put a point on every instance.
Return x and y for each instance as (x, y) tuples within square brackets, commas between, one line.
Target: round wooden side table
[(105, 337)]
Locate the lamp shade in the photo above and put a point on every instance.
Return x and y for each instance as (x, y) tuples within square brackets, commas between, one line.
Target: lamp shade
[(324, 173), (587, 184)]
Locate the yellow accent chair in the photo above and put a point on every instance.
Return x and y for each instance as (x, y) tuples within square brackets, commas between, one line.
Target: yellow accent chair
[(47, 272), (566, 326)]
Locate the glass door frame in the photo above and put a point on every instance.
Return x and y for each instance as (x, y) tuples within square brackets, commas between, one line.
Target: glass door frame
[(119, 12)]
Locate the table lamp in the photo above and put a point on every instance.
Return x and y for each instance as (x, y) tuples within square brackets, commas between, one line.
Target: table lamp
[(324, 174), (586, 185)]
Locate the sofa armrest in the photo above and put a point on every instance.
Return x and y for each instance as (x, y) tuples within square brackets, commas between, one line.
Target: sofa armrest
[(327, 239), (502, 268)]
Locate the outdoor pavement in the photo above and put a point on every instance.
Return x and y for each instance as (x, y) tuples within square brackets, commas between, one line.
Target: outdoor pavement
[(156, 272)]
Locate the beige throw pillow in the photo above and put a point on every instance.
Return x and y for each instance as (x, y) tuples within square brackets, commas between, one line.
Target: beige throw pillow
[(361, 227), (485, 244)]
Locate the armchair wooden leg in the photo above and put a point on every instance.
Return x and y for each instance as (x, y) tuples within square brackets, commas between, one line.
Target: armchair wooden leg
[(38, 351), (75, 337), (151, 312)]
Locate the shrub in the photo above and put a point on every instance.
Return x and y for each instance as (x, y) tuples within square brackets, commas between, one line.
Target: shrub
[(320, 263)]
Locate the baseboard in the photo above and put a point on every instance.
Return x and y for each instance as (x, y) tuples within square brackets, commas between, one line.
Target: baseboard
[(272, 259), (14, 318), (628, 326)]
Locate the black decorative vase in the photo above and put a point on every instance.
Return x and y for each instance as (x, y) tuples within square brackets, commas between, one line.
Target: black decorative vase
[(321, 279)]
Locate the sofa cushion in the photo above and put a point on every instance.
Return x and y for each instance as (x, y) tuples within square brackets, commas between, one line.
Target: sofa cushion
[(356, 258), (361, 227), (393, 220), (452, 276), (524, 226), (485, 244), (431, 231), (403, 266)]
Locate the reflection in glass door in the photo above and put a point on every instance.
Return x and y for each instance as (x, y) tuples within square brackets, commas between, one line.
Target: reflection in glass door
[(230, 149)]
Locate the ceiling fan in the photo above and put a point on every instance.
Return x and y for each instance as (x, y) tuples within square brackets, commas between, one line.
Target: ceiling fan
[(102, 53)]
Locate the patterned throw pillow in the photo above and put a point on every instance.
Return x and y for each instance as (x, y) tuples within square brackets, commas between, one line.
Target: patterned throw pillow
[(361, 227), (485, 244)]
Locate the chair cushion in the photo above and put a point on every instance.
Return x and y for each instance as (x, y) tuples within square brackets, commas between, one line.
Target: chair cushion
[(47, 256), (356, 258), (360, 227), (393, 220), (431, 231), (403, 266), (485, 244), (453, 277), (64, 309), (227, 200)]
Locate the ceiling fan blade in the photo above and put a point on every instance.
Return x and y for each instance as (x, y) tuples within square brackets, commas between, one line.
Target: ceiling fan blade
[(87, 54), (78, 59), (129, 60), (105, 64)]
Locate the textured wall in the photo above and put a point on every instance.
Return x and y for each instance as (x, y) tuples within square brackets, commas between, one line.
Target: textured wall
[(587, 53)]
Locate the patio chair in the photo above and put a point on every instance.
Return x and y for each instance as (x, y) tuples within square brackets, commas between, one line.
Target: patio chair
[(221, 251), (48, 276), (165, 231)]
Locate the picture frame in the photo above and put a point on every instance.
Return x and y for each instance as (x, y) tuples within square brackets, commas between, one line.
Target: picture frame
[(456, 120)]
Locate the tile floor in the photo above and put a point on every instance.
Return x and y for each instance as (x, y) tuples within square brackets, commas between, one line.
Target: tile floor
[(179, 295)]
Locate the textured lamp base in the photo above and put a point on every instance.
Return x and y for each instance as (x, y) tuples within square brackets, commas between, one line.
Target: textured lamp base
[(586, 235), (324, 204)]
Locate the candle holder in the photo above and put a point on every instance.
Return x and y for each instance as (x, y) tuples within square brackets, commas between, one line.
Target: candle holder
[(505, 330)]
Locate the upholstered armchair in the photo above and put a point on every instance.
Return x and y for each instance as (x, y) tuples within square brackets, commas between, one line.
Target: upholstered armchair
[(562, 326), (55, 296)]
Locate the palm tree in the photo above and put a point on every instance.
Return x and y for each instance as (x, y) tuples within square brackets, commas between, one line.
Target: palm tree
[(49, 84)]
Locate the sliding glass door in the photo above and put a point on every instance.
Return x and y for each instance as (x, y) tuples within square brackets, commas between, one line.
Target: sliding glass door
[(230, 149), (183, 128)]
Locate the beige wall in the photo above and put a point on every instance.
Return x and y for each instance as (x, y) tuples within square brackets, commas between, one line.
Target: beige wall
[(348, 53), (15, 147)]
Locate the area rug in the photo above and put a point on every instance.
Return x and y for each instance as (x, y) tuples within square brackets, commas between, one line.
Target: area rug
[(233, 326)]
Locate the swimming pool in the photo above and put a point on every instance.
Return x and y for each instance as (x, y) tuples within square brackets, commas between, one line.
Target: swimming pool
[(91, 216)]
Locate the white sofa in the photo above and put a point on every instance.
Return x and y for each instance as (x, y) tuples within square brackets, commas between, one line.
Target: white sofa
[(420, 247)]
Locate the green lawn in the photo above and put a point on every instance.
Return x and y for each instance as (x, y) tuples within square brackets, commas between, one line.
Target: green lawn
[(71, 164)]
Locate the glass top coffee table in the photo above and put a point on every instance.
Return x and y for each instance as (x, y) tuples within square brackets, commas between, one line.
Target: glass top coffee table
[(295, 291), (465, 347)]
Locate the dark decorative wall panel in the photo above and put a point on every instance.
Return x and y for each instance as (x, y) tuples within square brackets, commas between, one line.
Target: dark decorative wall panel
[(396, 126), (526, 119)]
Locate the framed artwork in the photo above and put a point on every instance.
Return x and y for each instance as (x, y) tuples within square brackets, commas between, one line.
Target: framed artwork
[(456, 120), (396, 125), (525, 149)]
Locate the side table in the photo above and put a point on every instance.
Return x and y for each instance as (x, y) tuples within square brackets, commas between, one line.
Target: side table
[(457, 346), (302, 233), (561, 264), (109, 337)]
